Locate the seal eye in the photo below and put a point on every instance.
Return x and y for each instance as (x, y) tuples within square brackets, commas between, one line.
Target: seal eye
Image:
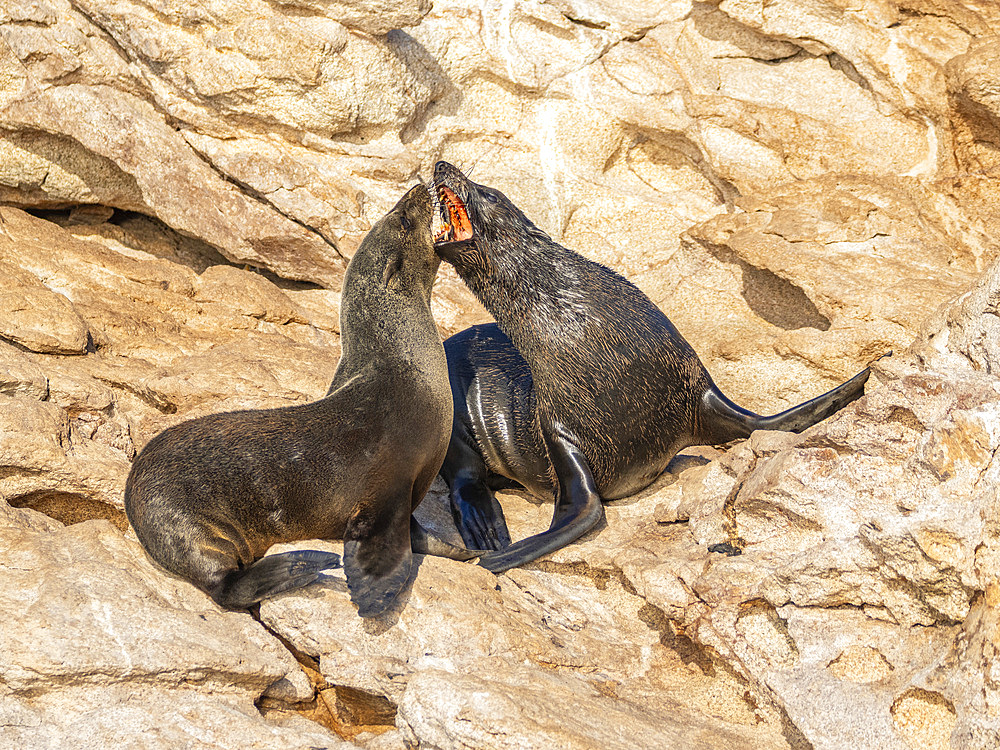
[(404, 222), (490, 198)]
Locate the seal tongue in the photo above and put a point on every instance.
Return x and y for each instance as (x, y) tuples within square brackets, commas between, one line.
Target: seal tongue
[(458, 226)]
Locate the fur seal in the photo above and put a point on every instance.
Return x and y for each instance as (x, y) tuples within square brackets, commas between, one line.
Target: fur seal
[(583, 389), (209, 496)]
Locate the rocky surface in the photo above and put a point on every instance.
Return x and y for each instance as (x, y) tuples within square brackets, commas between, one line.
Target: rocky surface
[(800, 186)]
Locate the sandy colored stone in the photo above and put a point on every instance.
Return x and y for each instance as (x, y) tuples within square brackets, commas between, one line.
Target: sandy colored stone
[(41, 321), (925, 719), (804, 262), (94, 611), (151, 717), (800, 186), (966, 333), (975, 94), (249, 293), (860, 664), (455, 711), (19, 375), (605, 651)]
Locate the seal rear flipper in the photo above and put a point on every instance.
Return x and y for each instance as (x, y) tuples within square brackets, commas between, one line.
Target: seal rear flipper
[(272, 575), (720, 420), (578, 506), (377, 563), (424, 542), (815, 410), (475, 509)]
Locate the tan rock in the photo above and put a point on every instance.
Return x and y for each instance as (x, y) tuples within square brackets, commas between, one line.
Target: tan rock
[(447, 710), (41, 321), (525, 635), (369, 16), (151, 717), (798, 185), (975, 95), (249, 293), (94, 611), (40, 459), (965, 333), (19, 375), (804, 262)]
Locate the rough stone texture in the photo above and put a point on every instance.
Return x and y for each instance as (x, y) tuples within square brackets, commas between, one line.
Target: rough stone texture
[(801, 186), (547, 660), (102, 650)]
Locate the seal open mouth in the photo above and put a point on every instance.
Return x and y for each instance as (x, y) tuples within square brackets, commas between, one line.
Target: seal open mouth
[(457, 226)]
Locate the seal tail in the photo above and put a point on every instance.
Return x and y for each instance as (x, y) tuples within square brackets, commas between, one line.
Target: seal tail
[(721, 420), (271, 575)]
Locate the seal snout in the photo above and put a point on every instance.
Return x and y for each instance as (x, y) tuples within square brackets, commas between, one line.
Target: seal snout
[(450, 182), (417, 202)]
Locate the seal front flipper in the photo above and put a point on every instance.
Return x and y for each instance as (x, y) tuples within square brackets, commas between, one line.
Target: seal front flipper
[(271, 575), (377, 556), (578, 505)]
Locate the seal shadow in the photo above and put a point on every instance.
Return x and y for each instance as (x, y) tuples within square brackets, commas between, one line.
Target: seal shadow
[(336, 582), (446, 96)]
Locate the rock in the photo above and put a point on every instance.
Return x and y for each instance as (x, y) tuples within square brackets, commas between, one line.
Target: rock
[(19, 375), (803, 261), (41, 321), (452, 711), (975, 95), (367, 16), (800, 186), (965, 333), (171, 667), (122, 716), (589, 641)]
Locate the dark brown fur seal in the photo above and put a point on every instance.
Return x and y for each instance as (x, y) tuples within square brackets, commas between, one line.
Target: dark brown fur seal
[(583, 389), (208, 497)]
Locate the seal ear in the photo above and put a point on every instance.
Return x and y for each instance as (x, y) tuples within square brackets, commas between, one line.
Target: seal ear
[(393, 267)]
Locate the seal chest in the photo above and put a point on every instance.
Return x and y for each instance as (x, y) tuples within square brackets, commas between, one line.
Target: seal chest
[(208, 497), (601, 388)]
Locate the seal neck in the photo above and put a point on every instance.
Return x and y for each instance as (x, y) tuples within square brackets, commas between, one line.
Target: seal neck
[(391, 335)]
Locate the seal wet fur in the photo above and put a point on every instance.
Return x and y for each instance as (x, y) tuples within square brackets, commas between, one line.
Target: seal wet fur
[(583, 389), (208, 497)]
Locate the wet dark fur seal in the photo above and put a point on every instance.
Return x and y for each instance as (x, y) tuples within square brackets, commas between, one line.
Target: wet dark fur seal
[(583, 389), (208, 497)]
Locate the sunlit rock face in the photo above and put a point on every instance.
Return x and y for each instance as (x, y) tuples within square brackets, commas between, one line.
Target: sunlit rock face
[(800, 186)]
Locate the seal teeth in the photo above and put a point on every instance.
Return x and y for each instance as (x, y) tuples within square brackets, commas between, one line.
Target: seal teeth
[(442, 229), (460, 227)]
